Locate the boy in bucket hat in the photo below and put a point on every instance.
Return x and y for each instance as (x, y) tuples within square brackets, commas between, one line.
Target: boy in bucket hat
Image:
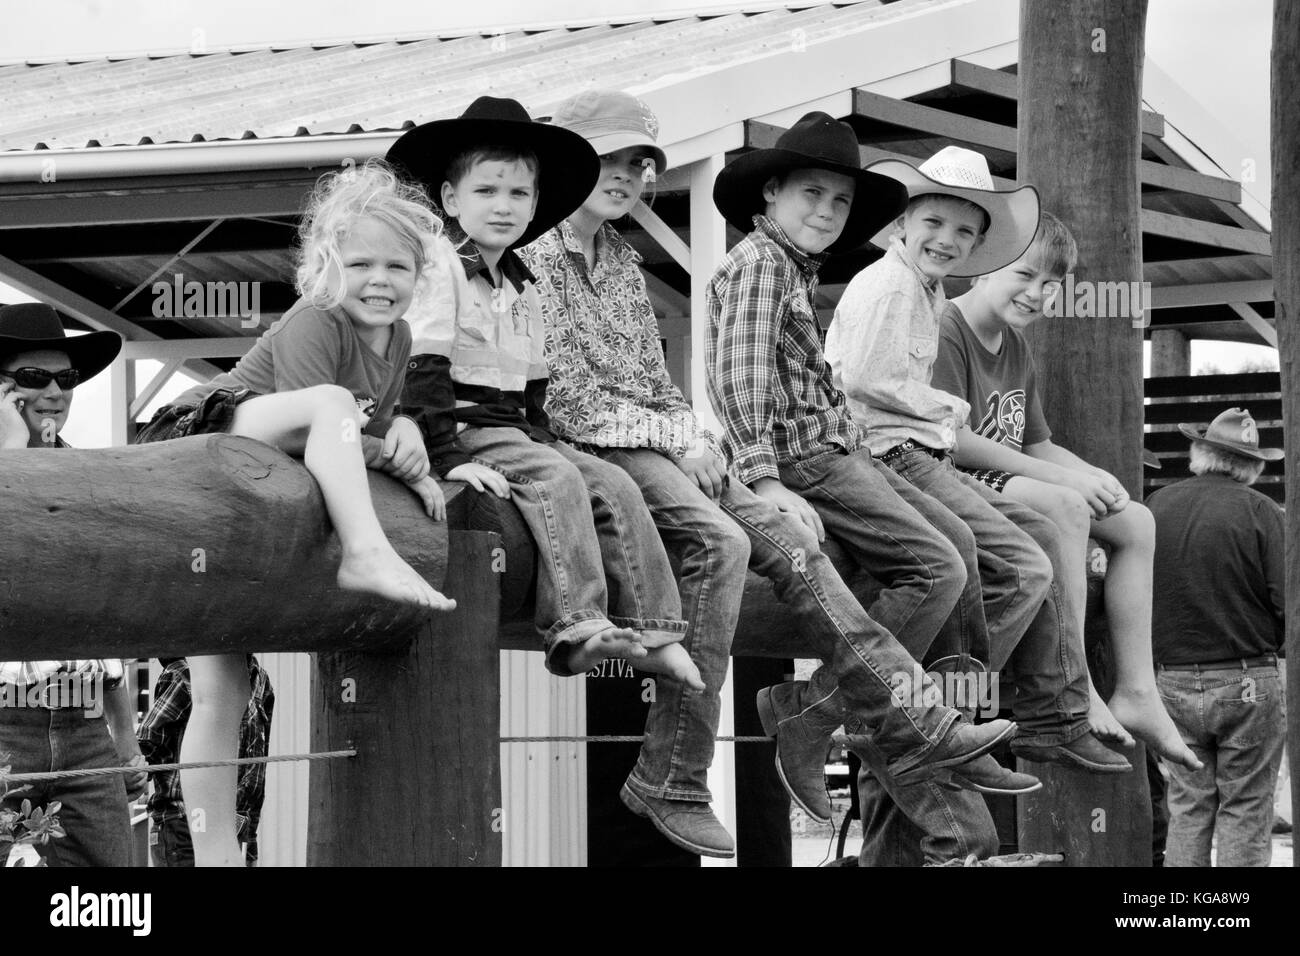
[(790, 438), (52, 716), (1219, 612), (476, 386), (881, 347)]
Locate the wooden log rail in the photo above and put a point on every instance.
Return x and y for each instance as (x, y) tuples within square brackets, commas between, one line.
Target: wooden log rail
[(218, 544)]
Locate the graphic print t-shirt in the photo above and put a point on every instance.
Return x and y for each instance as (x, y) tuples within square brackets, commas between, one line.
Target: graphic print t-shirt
[(1001, 387)]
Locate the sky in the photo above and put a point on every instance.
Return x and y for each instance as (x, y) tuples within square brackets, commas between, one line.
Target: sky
[(1217, 52)]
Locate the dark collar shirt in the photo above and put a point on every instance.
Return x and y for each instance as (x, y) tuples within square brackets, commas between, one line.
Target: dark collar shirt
[(1219, 575)]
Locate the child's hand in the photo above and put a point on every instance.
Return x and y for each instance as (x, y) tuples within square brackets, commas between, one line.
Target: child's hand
[(791, 503), (702, 466), (135, 782), (404, 456), (1095, 491), (481, 478), (430, 492)]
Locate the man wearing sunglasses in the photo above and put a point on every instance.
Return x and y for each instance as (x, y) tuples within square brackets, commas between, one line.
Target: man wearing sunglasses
[(45, 724)]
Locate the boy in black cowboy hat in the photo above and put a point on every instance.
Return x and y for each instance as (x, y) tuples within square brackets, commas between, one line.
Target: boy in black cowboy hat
[(477, 379), (789, 436), (1218, 624), (43, 727)]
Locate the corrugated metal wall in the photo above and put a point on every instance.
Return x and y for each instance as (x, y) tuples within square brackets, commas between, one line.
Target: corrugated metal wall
[(282, 835), (543, 785)]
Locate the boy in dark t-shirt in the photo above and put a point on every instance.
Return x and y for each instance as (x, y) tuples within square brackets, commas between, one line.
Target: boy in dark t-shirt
[(984, 359)]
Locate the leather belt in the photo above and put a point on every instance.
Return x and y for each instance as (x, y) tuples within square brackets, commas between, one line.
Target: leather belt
[(1231, 664)]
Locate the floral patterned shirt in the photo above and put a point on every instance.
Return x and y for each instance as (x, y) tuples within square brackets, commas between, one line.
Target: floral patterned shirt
[(609, 385)]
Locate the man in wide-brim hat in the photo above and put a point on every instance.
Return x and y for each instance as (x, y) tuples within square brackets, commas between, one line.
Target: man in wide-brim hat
[(1217, 629), (42, 726), (40, 365)]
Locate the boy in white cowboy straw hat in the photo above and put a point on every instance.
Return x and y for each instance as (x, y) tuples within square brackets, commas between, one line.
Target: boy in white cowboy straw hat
[(881, 346), (984, 359), (1220, 601), (47, 724), (789, 437)]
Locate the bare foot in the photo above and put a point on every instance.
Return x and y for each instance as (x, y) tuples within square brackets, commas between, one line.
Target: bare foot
[(619, 642), (1140, 710), (381, 571), (672, 660), (1105, 727)]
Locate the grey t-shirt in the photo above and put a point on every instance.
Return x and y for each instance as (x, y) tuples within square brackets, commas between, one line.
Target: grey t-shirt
[(1002, 388)]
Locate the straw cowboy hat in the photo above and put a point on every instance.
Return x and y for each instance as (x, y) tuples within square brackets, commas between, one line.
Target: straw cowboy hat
[(964, 173), (32, 326), (1234, 431), (568, 166), (815, 142)]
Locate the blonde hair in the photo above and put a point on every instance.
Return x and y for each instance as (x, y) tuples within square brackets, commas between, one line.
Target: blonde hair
[(370, 191), (1053, 250), (1209, 460)]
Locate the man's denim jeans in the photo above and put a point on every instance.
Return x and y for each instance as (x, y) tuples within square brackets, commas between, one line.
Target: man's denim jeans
[(1234, 720), (94, 813), (599, 558), (714, 545)]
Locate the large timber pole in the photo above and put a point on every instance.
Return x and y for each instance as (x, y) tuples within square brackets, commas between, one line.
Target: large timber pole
[(1080, 143), (1286, 294)]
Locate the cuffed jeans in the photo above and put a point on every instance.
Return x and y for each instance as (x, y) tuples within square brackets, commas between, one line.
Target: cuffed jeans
[(599, 558), (1234, 720), (715, 542), (94, 814)]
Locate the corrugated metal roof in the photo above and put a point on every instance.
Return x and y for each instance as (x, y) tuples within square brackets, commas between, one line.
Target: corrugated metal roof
[(385, 86)]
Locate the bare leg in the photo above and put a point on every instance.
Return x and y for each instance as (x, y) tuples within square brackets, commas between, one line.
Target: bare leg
[(1136, 702), (320, 425), (219, 690), (1068, 511)]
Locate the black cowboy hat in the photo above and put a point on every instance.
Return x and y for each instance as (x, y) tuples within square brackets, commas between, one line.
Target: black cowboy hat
[(31, 326), (817, 141), (569, 167)]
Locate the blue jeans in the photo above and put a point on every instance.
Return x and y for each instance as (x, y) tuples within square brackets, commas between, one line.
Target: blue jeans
[(1032, 621), (715, 542), (599, 559), (1235, 722), (1027, 620), (94, 813)]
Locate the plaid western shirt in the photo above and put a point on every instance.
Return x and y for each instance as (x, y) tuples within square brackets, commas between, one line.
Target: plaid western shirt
[(767, 374), (609, 385), (164, 729)]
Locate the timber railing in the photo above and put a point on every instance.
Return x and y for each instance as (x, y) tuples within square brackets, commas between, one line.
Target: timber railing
[(218, 544)]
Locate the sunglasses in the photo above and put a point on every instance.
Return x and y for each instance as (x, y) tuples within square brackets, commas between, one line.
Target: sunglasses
[(40, 378)]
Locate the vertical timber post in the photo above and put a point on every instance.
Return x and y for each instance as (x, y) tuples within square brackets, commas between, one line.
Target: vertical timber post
[(425, 786), (1080, 143), (1286, 285)]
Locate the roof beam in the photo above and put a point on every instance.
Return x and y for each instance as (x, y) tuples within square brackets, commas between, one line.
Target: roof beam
[(663, 234), (1256, 321), (1211, 293), (166, 350), (1205, 233), (937, 122), (71, 209), (92, 313), (1006, 86)]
